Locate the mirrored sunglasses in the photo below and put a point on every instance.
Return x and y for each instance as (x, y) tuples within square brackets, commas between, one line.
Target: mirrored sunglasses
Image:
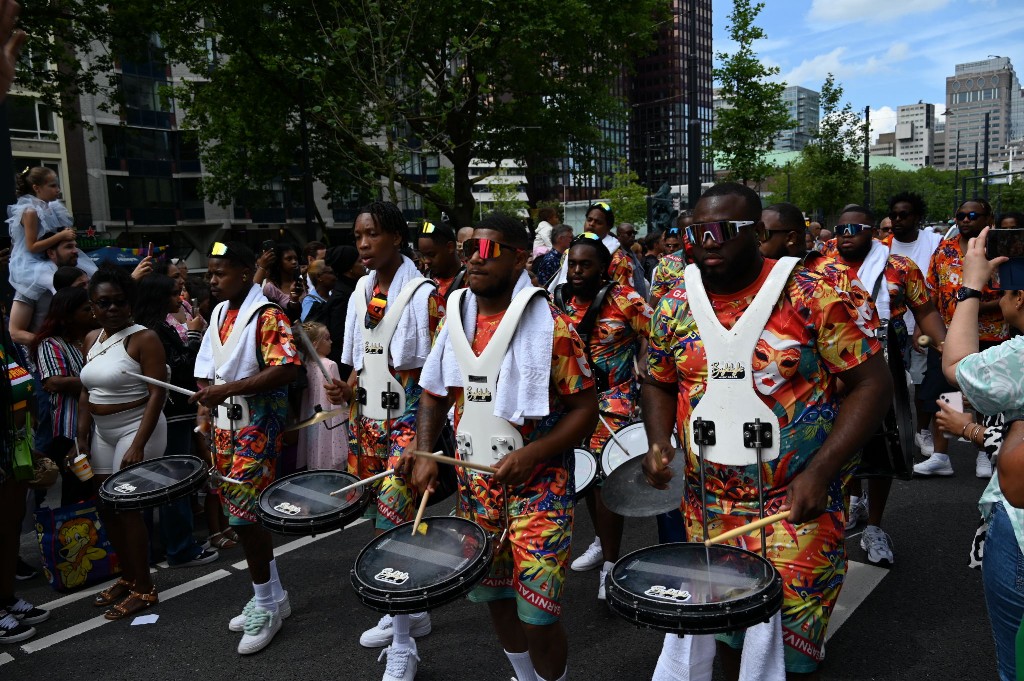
[(718, 232)]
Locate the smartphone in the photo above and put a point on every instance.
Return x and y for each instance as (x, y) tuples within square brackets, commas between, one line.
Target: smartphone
[(1005, 242), (954, 400), (268, 245)]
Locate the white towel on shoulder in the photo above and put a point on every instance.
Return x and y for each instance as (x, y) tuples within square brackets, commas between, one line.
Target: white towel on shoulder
[(869, 271), (243, 362), (524, 378), (411, 343)]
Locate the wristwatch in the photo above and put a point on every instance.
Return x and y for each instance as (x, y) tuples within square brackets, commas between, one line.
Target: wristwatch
[(965, 292)]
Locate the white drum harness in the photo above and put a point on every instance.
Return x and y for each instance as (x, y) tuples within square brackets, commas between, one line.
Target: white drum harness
[(233, 414)]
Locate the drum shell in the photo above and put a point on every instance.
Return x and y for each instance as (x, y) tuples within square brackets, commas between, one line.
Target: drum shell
[(400, 602), (889, 453), (581, 490), (152, 499), (696, 618), (633, 436), (307, 527)]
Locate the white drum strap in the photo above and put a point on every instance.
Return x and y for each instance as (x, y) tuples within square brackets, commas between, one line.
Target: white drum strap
[(730, 401), (233, 413), (492, 436), (377, 400)]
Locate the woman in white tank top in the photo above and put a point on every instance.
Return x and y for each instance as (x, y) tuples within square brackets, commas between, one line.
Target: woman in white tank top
[(121, 422)]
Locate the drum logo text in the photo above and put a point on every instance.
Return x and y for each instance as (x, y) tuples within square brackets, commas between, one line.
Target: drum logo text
[(373, 348), (287, 508), (391, 576), (727, 370), (666, 594), (125, 488), (478, 394)]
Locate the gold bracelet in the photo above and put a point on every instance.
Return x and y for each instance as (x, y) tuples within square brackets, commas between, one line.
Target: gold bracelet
[(974, 435), (963, 433)]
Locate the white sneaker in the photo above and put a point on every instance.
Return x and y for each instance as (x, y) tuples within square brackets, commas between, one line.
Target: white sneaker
[(936, 464), (260, 628), (923, 439), (590, 559), (237, 623), (983, 467), (878, 545), (858, 512), (381, 635), (402, 662), (604, 574)]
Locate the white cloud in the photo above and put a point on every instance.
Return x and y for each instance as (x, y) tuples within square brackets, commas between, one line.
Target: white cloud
[(850, 11), (814, 70), (883, 119)]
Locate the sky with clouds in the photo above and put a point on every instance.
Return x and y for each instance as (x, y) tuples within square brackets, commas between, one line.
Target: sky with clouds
[(883, 52)]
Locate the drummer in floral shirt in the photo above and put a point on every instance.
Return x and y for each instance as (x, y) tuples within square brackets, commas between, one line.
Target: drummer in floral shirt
[(810, 341), (613, 320)]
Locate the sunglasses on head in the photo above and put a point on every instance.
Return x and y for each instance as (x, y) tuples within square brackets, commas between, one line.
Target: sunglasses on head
[(219, 249), (852, 229), (107, 303), (970, 215), (428, 228), (602, 205), (587, 236), (486, 248), (673, 231), (719, 231)]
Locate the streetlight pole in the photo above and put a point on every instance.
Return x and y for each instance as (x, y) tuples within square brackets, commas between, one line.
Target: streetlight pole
[(867, 156), (986, 155), (956, 172)]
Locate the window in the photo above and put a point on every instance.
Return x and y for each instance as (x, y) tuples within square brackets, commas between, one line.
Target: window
[(30, 119)]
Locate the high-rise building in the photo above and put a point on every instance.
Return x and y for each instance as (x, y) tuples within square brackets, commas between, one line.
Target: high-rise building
[(653, 139), (989, 86), (803, 106), (884, 145), (939, 146), (915, 133)]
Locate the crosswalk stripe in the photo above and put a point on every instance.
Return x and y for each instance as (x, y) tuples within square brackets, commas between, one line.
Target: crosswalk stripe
[(861, 580)]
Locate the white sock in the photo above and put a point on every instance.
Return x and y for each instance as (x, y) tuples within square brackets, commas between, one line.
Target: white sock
[(275, 581), (265, 597), (608, 565), (522, 666), (563, 677), (400, 625), (941, 455), (854, 501)]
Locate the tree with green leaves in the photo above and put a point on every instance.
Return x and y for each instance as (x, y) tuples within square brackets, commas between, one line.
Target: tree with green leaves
[(627, 196), (754, 115)]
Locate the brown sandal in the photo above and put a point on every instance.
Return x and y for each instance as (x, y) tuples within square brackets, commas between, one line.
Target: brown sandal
[(135, 603), (113, 593), (221, 540)]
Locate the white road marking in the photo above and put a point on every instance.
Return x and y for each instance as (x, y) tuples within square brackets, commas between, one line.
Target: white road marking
[(5, 658), (861, 580), (96, 622), (298, 544), (79, 595)]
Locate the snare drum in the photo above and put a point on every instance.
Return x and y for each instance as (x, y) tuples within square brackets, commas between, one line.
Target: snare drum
[(687, 588), (301, 503), (154, 482), (633, 437), (586, 472), (400, 572)]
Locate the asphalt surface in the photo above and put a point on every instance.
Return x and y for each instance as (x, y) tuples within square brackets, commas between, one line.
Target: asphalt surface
[(923, 619)]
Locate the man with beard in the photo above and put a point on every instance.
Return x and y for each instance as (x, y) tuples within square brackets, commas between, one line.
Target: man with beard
[(600, 221), (945, 274), (906, 211), (613, 321), (897, 285), (801, 340), (509, 343)]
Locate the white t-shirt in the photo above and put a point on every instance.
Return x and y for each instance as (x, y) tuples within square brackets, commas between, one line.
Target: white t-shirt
[(919, 252)]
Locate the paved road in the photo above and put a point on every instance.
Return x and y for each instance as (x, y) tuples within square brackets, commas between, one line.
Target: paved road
[(924, 619)]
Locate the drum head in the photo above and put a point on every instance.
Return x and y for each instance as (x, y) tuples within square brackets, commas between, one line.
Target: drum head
[(586, 471), (400, 572), (301, 503), (692, 589), (633, 437), (154, 482)]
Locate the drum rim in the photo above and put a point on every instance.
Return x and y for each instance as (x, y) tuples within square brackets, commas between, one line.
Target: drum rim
[(323, 522), (128, 500), (596, 467), (611, 443), (734, 604), (376, 594)]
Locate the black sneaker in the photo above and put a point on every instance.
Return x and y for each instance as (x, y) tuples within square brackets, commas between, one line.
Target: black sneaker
[(202, 559), (26, 612), (25, 571), (12, 630)]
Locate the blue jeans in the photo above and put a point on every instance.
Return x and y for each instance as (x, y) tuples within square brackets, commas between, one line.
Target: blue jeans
[(176, 521), (1002, 571)]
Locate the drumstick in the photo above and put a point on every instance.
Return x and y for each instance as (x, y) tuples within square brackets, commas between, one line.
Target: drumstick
[(161, 384), (419, 513), (440, 458), (297, 330), (614, 437), (223, 478), (362, 482), (925, 341), (747, 529)]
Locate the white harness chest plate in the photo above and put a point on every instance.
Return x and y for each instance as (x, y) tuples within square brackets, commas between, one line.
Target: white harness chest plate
[(481, 436), (233, 413), (381, 395), (730, 399)]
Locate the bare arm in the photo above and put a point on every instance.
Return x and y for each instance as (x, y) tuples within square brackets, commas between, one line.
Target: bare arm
[(145, 347), (21, 319), (71, 385), (658, 404), (84, 415), (1010, 465), (270, 378), (430, 415), (929, 321)]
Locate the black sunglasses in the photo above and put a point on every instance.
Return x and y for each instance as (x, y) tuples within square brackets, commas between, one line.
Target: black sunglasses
[(107, 303), (902, 215), (970, 215)]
